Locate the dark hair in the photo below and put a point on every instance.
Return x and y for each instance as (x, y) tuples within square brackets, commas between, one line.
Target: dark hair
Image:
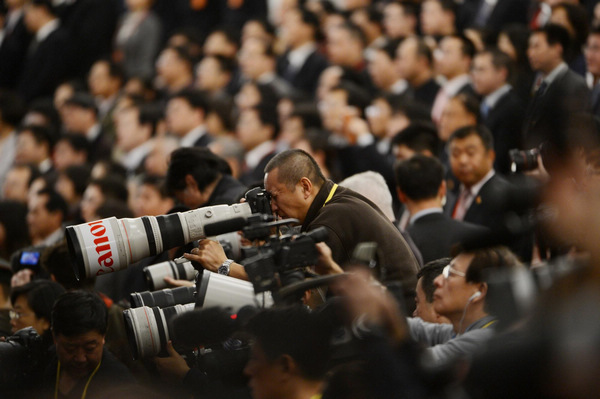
[(268, 116), (226, 64), (311, 19), (390, 47), (115, 70), (556, 34), (478, 130), (55, 201), (419, 177), (470, 103), (419, 136), (354, 31), (34, 171), (79, 312), (78, 142), (294, 165), (429, 272), (112, 186), (500, 60), (46, 108), (356, 95), (56, 259), (309, 114), (518, 35), (12, 108), (40, 295), (467, 47), (12, 218), (157, 182), (79, 175), (265, 25), (489, 258), (204, 166), (296, 332), (114, 207), (195, 98), (423, 50), (41, 134), (183, 53)]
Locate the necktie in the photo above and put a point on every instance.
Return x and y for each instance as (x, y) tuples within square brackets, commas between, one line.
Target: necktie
[(460, 209), (484, 109), (438, 105)]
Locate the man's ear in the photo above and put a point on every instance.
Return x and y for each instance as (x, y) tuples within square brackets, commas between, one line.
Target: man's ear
[(287, 364), (306, 186), (190, 182), (401, 195)]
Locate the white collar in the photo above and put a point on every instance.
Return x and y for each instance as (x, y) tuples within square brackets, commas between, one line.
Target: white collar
[(298, 56), (45, 165), (93, 133), (192, 136), (399, 87), (255, 155), (492, 99), (132, 159), (559, 70), (47, 29), (453, 86)]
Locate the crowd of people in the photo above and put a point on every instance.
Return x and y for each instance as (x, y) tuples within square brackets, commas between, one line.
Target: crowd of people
[(460, 138)]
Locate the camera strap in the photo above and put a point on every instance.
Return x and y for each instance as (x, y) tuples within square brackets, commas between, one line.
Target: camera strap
[(86, 384), (335, 186)]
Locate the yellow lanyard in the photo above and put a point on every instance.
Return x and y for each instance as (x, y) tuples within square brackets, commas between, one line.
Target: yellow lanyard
[(335, 186), (86, 384), (488, 324)]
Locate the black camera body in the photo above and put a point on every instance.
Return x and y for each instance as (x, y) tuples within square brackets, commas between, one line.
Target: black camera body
[(523, 161), (20, 354)]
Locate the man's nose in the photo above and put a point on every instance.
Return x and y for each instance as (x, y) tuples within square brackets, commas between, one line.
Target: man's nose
[(438, 281)]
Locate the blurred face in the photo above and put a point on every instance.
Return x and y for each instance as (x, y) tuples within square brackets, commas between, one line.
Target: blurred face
[(332, 109), (28, 150), (432, 17), (382, 71), (80, 354), (248, 96), (396, 23), (329, 78), (209, 75), (217, 44), (452, 294), (250, 131), (130, 134), (402, 152), (65, 187), (181, 117), (378, 115), (486, 77), (24, 316), (449, 59), (91, 201), (76, 118), (292, 130), (469, 159), (263, 374), (252, 58), (62, 94), (543, 57), (506, 46), (64, 155), (149, 202), (168, 65), (100, 82), (454, 116), (406, 59), (253, 30), (342, 49), (293, 30), (157, 161), (423, 309), (286, 202), (592, 54), (41, 222)]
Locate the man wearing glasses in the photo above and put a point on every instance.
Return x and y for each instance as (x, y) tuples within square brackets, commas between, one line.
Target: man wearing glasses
[(460, 295)]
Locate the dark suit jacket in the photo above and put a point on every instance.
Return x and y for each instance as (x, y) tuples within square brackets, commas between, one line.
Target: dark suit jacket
[(12, 54), (505, 121), (504, 13), (46, 67), (101, 148), (435, 234), (203, 141), (306, 78), (257, 174), (427, 92), (548, 115)]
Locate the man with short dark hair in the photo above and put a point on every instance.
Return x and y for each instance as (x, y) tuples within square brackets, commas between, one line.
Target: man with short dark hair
[(421, 187), (197, 178), (83, 365), (416, 138), (185, 117), (135, 128), (561, 94), (290, 354), (425, 289), (501, 108), (47, 211), (34, 146)]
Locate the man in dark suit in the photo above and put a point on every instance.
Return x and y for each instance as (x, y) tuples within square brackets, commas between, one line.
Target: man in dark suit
[(185, 115), (415, 64), (501, 108), (302, 64), (592, 60), (561, 94), (48, 55), (494, 15), (13, 45), (421, 187)]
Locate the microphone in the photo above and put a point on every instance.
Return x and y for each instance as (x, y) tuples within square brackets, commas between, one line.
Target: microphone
[(225, 226)]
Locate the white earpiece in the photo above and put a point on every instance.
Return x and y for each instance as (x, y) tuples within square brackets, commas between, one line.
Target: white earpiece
[(475, 295)]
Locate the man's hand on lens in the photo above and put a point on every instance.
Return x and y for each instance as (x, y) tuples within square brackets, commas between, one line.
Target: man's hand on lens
[(209, 254), (172, 367), (171, 282)]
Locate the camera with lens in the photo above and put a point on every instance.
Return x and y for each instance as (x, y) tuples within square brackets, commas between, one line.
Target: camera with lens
[(20, 354), (523, 161)]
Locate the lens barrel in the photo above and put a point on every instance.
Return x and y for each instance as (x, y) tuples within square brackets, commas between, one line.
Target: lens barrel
[(163, 298), (155, 274)]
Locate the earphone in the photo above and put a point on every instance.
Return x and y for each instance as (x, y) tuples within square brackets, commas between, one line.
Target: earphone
[(475, 295)]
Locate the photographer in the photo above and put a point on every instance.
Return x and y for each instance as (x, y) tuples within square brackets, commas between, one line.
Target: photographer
[(299, 190), (82, 365)]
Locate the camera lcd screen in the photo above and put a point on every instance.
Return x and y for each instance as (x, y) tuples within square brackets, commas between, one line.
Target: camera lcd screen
[(30, 258)]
